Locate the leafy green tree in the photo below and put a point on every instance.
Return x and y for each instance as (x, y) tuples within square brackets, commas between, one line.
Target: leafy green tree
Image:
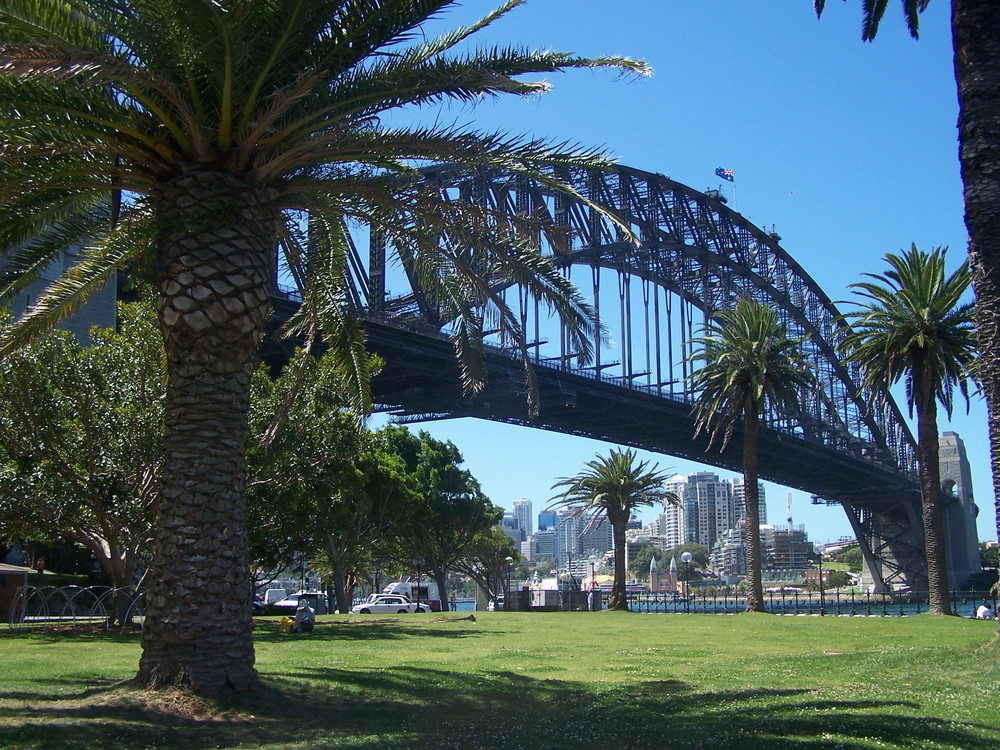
[(372, 517), (318, 482), (80, 441), (700, 554), (639, 568), (989, 556), (452, 509), (975, 28), (911, 325), (485, 560), (749, 366), (851, 556), (640, 564), (188, 138), (609, 489)]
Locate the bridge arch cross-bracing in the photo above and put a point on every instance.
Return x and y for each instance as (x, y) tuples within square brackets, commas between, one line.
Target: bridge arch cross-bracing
[(694, 256)]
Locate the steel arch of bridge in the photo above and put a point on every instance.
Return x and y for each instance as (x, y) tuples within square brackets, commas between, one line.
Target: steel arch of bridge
[(696, 255)]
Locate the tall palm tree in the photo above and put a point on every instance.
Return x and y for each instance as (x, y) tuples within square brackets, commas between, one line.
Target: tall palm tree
[(975, 28), (610, 489), (189, 138), (748, 367), (912, 325)]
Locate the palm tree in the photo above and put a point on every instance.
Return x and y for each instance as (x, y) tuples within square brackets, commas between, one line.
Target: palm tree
[(187, 139), (975, 28), (911, 325), (749, 366), (610, 489)]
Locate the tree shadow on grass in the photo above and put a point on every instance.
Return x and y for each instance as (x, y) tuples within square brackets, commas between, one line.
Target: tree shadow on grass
[(306, 707), (377, 628)]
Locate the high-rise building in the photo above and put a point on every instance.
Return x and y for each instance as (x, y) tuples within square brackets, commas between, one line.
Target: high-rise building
[(729, 555), (671, 521), (596, 540), (706, 509), (529, 548), (786, 549), (522, 512), (960, 510), (545, 545), (547, 519), (510, 527), (739, 507), (567, 530)]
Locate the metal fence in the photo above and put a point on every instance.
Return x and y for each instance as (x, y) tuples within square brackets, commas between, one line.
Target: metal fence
[(76, 606), (834, 603)]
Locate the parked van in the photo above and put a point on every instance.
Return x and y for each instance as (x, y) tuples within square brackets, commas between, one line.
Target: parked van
[(272, 596), (426, 593)]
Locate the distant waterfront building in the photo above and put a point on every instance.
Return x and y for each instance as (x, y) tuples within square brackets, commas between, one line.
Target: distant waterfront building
[(597, 540), (786, 548), (960, 510), (528, 548), (522, 512), (567, 532), (729, 555)]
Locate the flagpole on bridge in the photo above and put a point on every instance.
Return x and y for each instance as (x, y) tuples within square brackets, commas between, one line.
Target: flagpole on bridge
[(730, 176)]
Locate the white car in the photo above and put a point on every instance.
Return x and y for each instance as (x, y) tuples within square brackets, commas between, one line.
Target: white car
[(386, 604), (316, 600)]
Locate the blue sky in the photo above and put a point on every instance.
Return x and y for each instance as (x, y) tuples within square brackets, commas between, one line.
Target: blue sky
[(848, 149)]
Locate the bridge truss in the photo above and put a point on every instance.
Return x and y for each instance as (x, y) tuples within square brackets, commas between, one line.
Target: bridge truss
[(694, 256)]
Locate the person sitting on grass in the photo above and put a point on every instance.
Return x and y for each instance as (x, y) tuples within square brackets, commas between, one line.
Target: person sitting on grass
[(305, 618), (985, 612)]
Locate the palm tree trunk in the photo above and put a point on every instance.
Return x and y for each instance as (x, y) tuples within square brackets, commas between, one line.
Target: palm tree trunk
[(930, 489), (216, 250), (976, 39), (751, 500), (619, 598)]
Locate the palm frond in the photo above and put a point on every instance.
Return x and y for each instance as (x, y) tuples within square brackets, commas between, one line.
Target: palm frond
[(912, 313), (99, 259), (747, 364), (325, 307)]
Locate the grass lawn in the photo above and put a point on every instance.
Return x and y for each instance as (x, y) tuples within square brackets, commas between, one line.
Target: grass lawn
[(532, 680)]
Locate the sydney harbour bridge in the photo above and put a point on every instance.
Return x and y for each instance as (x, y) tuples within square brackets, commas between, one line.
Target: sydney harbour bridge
[(694, 256)]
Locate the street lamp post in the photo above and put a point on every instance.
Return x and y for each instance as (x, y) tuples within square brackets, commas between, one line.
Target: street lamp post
[(686, 559), (822, 590), (506, 596), (418, 563)]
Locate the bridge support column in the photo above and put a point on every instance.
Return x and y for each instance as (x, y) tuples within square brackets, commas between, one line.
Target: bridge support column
[(892, 550)]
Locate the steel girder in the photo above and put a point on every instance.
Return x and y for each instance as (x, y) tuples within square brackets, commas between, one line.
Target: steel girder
[(710, 256)]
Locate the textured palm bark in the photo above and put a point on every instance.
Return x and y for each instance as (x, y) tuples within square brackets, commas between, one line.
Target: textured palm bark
[(932, 516), (751, 501), (976, 39), (619, 597), (216, 249)]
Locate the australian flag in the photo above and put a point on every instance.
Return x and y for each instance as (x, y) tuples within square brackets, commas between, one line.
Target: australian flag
[(726, 174)]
